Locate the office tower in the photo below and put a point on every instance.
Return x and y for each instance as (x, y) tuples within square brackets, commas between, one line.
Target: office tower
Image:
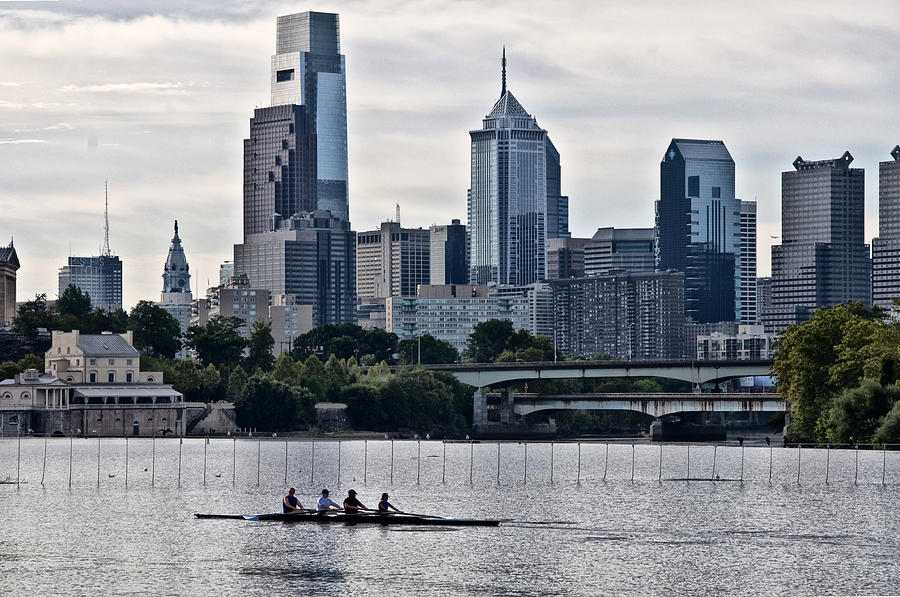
[(886, 248), (557, 203), (9, 264), (565, 257), (822, 260), (748, 311), (449, 257), (310, 255), (507, 203), (176, 295), (98, 277), (226, 272), (612, 250), (279, 167), (625, 316), (698, 223), (392, 261), (308, 69)]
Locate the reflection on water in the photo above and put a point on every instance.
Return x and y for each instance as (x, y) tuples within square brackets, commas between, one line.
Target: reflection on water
[(126, 525)]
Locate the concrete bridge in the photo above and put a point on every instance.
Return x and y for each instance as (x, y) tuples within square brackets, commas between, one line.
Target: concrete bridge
[(481, 375), (656, 405)]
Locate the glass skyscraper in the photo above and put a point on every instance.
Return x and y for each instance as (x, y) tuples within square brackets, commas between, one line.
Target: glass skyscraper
[(308, 69), (698, 221), (886, 248), (508, 196)]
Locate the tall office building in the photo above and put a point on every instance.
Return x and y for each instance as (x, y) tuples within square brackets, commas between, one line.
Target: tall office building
[(557, 203), (699, 227), (9, 264), (226, 272), (176, 295), (822, 260), (308, 69), (392, 261), (565, 257), (448, 254), (886, 248), (748, 311), (612, 250), (507, 203), (99, 277)]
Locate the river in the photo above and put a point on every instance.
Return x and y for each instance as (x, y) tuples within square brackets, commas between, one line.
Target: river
[(643, 530)]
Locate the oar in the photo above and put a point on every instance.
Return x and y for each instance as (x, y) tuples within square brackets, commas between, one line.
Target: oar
[(421, 515)]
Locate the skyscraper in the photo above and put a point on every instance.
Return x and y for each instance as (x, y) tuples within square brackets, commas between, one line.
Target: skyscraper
[(748, 311), (886, 248), (557, 203), (698, 220), (392, 261), (308, 69), (822, 259), (613, 250), (507, 203), (448, 254), (176, 295)]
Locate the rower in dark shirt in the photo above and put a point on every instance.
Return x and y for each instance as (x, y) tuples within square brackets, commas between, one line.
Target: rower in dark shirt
[(351, 504), (290, 504), (384, 505)]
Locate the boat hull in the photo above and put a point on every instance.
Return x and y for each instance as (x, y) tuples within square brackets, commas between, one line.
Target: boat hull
[(381, 519)]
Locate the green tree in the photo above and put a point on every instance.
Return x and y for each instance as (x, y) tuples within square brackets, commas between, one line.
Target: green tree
[(433, 351), (859, 412), (364, 408), (31, 316), (210, 383), (8, 370), (218, 342), (260, 344), (270, 405), (286, 370), (186, 379), (488, 340), (415, 399), (106, 321), (314, 377), (237, 384), (156, 332), (888, 431), (74, 302)]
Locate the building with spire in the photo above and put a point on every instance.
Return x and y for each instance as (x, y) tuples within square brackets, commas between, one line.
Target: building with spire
[(507, 199), (176, 297), (392, 261), (9, 264), (98, 277)]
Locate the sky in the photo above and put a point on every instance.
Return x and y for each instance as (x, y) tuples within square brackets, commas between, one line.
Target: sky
[(156, 97)]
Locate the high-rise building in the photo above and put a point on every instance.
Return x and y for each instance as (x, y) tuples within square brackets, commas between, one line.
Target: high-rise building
[(698, 221), (625, 316), (176, 295), (9, 264), (557, 203), (279, 167), (310, 255), (886, 248), (507, 203), (308, 69), (612, 250), (565, 257), (822, 260), (748, 311), (226, 272), (448, 254), (392, 261)]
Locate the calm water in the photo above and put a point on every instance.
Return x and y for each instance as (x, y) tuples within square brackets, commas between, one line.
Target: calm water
[(597, 537)]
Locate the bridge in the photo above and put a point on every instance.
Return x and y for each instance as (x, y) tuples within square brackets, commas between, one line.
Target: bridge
[(481, 375), (656, 405)]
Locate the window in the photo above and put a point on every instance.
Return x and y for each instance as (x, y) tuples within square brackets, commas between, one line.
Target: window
[(128, 362), (93, 361), (284, 75), (150, 379), (128, 377), (717, 192), (93, 376), (112, 362), (112, 376), (693, 186)]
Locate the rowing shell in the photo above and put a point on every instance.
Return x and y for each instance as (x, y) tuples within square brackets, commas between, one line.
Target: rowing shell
[(382, 519)]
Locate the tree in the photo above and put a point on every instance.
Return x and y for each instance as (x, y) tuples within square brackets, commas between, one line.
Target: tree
[(286, 370), (106, 321), (859, 412), (433, 351), (314, 377), (218, 342), (156, 332), (74, 302), (261, 344), (364, 408), (186, 379), (237, 384), (270, 405), (346, 340), (210, 383), (488, 340), (8, 370), (889, 429), (32, 315)]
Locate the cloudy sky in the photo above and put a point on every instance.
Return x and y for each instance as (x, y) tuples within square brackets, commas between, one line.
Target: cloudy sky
[(156, 97)]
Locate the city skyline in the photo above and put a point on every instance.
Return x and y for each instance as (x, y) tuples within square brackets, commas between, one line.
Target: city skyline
[(168, 132)]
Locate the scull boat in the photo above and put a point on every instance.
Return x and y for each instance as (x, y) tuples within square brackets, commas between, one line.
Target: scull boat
[(361, 518)]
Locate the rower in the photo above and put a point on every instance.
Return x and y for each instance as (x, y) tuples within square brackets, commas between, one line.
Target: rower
[(384, 505), (325, 503), (353, 505), (290, 504)]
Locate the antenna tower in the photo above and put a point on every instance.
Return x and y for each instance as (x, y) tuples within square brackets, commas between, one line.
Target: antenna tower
[(105, 252)]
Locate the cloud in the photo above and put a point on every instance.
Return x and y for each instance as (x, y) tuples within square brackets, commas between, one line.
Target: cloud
[(21, 141), (175, 88)]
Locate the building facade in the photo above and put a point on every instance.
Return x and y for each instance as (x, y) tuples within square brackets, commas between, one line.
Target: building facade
[(565, 257), (623, 316), (822, 260), (308, 69), (392, 261), (9, 265), (449, 257), (748, 313), (698, 222), (507, 199), (613, 250), (98, 277), (886, 248), (557, 203), (749, 342), (176, 297)]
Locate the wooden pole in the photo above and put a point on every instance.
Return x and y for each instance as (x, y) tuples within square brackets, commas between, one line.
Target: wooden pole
[(552, 446), (44, 468), (71, 442), (233, 460), (770, 464), (312, 463), (339, 463), (689, 463), (827, 462), (742, 463), (498, 464), (153, 465), (205, 443), (180, 443), (392, 462), (98, 461), (258, 457), (471, 461), (444, 468), (419, 460), (19, 458), (713, 476), (606, 462), (365, 461), (632, 462), (883, 462), (856, 474), (126, 462), (798, 462), (525, 480), (660, 463), (285, 461), (578, 478)]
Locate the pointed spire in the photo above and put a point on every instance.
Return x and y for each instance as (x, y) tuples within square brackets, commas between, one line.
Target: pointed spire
[(176, 227), (105, 251), (503, 75)]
